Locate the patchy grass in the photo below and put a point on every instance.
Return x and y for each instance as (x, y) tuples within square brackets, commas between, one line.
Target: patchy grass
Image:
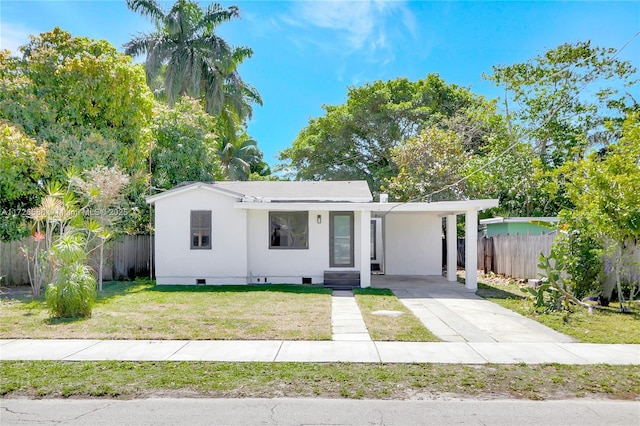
[(404, 328), (111, 379), (605, 325), (144, 311)]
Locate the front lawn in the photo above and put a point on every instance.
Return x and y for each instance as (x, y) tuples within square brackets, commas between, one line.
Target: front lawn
[(402, 328), (605, 325), (143, 311)]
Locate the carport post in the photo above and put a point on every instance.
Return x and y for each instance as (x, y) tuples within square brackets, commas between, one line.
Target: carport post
[(365, 249), (452, 248), (471, 250)]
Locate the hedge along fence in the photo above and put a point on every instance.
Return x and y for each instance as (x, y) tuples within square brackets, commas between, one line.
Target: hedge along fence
[(126, 257)]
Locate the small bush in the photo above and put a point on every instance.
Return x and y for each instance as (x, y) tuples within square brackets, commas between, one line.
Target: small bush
[(73, 290)]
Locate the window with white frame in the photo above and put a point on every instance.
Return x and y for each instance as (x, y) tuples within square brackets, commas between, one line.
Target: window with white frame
[(200, 229), (288, 230)]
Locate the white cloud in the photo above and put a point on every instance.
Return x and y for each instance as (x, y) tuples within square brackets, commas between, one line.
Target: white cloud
[(350, 26), (13, 36)]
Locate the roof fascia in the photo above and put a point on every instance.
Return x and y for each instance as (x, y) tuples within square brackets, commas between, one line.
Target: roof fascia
[(196, 185)]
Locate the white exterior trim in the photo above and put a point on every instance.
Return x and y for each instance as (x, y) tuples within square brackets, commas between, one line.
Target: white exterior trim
[(452, 248), (198, 185), (443, 207), (471, 250)]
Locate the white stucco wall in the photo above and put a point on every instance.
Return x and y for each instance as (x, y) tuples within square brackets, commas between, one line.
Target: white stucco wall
[(176, 263), (413, 244), (289, 266)]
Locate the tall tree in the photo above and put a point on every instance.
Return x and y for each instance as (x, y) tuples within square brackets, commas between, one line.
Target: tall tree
[(81, 97), (605, 189), (185, 147), (354, 140), (194, 60), (87, 103), (427, 162), (570, 99)]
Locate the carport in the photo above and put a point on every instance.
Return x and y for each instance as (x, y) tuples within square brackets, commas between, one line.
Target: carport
[(405, 239)]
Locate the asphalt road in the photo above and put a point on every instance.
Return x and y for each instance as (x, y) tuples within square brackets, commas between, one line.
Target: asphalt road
[(204, 411)]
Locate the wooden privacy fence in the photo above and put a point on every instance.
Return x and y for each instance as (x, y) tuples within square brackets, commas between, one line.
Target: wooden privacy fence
[(513, 255), (517, 256), (125, 258)]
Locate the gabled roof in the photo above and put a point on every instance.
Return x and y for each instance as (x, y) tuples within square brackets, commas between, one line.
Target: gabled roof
[(281, 191)]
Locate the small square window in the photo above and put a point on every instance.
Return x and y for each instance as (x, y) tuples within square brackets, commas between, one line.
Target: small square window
[(289, 230), (200, 229)]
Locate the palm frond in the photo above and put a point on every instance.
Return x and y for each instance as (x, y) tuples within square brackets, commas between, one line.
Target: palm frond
[(138, 45), (147, 8), (215, 15)]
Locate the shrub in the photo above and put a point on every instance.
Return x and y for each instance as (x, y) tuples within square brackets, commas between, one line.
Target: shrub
[(72, 292)]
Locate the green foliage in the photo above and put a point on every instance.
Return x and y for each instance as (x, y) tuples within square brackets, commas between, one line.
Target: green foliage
[(240, 157), (22, 163), (354, 140), (426, 163), (193, 59), (87, 103), (72, 292), (185, 147), (605, 189), (570, 98), (547, 296), (582, 257), (89, 88)]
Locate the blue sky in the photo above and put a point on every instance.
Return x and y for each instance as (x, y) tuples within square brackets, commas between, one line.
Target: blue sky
[(306, 53)]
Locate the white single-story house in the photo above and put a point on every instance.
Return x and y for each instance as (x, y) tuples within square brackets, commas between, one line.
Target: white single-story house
[(299, 232)]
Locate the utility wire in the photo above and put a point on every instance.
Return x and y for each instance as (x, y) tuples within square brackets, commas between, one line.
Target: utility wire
[(510, 129), (514, 142)]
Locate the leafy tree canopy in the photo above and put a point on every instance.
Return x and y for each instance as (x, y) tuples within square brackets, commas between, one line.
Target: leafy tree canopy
[(569, 99), (605, 192), (80, 96), (425, 163), (22, 162), (185, 147), (354, 140)]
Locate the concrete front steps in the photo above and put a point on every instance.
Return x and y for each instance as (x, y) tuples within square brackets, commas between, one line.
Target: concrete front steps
[(342, 280)]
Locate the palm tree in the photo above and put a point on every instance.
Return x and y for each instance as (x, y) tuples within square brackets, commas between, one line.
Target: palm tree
[(193, 59), (237, 155)]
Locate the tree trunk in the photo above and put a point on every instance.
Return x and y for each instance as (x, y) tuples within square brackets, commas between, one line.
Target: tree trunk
[(101, 264)]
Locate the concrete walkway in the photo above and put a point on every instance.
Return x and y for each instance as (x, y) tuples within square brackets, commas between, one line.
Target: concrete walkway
[(346, 318), (319, 351)]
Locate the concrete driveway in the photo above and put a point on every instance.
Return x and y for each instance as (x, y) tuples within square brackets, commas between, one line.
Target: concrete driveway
[(456, 315)]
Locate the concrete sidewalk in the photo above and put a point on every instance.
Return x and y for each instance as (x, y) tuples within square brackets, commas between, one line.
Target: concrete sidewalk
[(319, 351)]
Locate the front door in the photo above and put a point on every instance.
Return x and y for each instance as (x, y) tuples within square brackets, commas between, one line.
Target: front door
[(341, 239)]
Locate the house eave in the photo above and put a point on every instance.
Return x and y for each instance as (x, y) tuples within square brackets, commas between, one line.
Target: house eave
[(186, 188), (440, 207)]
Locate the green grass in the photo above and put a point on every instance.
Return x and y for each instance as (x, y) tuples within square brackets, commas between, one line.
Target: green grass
[(404, 328), (605, 325), (111, 379), (141, 310)]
